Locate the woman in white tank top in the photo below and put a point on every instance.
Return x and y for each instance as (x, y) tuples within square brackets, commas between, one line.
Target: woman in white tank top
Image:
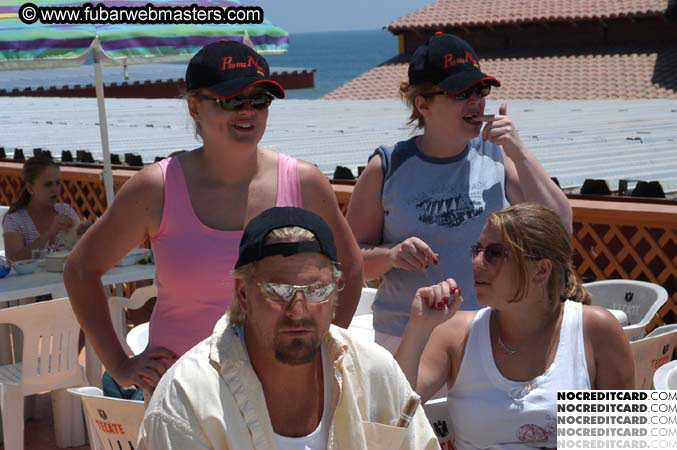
[(504, 364)]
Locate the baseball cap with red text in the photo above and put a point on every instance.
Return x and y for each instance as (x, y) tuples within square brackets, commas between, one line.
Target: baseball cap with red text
[(227, 68), (449, 62)]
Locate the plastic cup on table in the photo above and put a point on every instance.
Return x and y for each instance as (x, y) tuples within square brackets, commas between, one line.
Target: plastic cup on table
[(40, 254)]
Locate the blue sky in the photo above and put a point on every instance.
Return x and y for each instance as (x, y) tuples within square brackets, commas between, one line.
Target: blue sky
[(297, 16)]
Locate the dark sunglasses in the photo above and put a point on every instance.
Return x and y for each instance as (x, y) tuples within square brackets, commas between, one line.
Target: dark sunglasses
[(493, 253), (257, 101), (480, 89)]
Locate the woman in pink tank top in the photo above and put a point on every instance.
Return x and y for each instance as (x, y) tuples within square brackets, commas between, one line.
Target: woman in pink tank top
[(176, 323), (193, 208)]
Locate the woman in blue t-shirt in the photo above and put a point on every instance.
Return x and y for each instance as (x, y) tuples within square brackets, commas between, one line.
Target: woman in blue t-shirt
[(419, 205)]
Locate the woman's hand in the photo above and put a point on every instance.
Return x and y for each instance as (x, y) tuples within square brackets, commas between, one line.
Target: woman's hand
[(84, 226), (435, 304), (412, 254), (501, 131), (60, 223), (426, 364), (143, 370)]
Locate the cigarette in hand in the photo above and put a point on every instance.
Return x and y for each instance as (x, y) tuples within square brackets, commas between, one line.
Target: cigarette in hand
[(486, 118)]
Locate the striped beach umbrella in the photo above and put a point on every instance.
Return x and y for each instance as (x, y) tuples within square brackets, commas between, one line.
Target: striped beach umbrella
[(42, 45)]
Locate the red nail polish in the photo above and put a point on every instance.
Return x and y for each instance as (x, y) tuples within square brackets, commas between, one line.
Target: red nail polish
[(446, 300), (459, 291)]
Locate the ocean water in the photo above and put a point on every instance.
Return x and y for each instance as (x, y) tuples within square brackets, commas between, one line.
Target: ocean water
[(337, 57)]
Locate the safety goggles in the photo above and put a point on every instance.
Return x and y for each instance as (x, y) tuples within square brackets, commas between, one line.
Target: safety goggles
[(493, 253), (480, 89), (284, 293), (257, 101)]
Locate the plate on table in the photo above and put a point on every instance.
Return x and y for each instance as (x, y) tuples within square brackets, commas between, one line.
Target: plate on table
[(134, 256), (25, 266)]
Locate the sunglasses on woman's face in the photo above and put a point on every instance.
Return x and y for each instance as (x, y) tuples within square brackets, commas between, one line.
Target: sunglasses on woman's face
[(480, 89), (257, 101), (493, 253)]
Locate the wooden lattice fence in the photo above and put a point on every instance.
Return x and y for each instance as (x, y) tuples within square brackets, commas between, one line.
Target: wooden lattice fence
[(635, 241), (82, 187)]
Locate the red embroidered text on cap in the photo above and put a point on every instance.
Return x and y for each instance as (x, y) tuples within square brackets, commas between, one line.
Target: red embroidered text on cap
[(229, 64)]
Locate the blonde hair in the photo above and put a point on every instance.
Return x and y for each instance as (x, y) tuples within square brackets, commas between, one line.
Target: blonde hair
[(186, 94), (408, 94), (247, 272), (533, 232)]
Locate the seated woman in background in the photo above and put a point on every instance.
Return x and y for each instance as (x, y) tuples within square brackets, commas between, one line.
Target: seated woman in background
[(538, 334), (37, 220)]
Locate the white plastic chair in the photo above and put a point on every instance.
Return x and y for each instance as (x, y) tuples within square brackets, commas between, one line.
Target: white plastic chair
[(366, 300), (50, 364), (658, 331), (361, 327), (640, 301), (437, 412), (665, 377), (111, 422), (118, 305), (137, 338), (651, 352), (620, 315)]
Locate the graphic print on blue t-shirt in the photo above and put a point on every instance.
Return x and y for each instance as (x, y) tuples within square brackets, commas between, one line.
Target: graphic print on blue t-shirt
[(450, 208), (450, 211)]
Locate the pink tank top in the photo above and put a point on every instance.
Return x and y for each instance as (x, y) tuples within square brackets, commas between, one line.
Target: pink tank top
[(194, 262)]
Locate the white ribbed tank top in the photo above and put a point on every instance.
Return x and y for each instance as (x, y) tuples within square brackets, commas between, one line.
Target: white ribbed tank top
[(489, 411)]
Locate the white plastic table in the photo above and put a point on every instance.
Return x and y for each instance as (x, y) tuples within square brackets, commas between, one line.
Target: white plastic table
[(14, 287)]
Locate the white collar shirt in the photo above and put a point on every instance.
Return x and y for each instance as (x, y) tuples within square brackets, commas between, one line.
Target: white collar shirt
[(211, 398)]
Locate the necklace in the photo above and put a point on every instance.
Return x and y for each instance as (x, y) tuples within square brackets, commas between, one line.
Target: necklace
[(504, 347)]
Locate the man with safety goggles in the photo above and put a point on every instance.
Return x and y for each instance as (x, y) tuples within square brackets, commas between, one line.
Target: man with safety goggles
[(275, 373)]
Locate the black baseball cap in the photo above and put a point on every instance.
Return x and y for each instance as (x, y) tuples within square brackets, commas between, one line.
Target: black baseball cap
[(253, 245), (228, 67), (449, 62)]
